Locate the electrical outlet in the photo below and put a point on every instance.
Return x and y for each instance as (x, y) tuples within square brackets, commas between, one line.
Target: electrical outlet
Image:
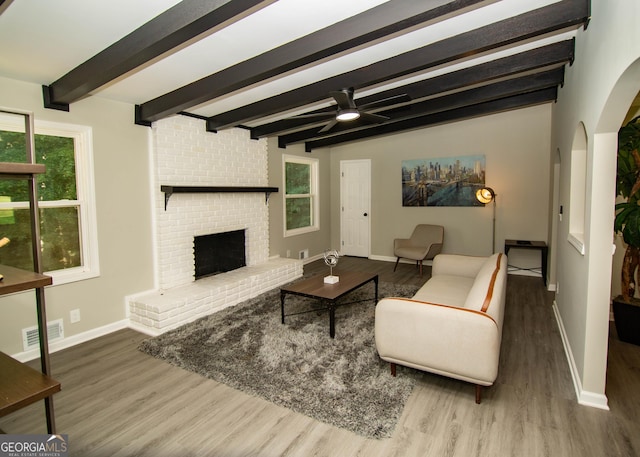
[(288, 253), (75, 315)]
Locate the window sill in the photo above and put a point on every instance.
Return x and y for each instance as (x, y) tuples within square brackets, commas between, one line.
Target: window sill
[(65, 277), (71, 275), (577, 241), (300, 231)]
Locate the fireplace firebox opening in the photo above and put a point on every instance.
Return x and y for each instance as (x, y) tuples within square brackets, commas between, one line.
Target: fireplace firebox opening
[(218, 253)]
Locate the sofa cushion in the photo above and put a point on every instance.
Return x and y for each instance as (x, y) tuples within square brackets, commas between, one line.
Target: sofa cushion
[(476, 298), (445, 289)]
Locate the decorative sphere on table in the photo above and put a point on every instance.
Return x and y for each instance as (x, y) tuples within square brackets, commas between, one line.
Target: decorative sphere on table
[(331, 259)]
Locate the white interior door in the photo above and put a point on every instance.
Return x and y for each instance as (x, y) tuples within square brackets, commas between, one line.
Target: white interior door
[(355, 201)]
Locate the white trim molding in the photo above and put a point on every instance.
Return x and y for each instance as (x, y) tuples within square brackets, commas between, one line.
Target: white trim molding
[(584, 397), (67, 342)]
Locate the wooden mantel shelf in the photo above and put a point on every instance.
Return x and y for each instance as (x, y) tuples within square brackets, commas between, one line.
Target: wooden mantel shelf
[(170, 190)]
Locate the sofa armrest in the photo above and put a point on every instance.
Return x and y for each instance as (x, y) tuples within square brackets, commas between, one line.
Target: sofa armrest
[(457, 265), (443, 339)]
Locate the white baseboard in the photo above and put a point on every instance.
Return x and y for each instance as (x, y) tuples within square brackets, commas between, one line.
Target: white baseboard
[(73, 340), (312, 258), (383, 258), (524, 272), (586, 398), (594, 400)]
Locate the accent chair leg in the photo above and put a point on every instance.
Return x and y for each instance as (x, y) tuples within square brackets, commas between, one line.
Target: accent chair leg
[(393, 369), (397, 261), (420, 267), (478, 393)]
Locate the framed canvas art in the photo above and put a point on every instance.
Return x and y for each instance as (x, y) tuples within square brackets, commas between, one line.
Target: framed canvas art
[(443, 181)]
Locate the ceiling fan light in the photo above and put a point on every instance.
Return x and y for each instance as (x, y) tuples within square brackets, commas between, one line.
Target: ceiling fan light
[(347, 115)]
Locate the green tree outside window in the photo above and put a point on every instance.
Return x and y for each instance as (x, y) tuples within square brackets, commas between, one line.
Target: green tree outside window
[(59, 219), (298, 198), (300, 176)]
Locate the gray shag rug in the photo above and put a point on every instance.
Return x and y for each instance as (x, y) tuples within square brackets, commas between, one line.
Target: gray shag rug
[(339, 381)]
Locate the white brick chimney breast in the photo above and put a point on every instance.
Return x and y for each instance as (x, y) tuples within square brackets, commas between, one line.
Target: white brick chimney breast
[(184, 154)]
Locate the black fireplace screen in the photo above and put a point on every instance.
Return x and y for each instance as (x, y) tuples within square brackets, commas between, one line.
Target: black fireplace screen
[(218, 252)]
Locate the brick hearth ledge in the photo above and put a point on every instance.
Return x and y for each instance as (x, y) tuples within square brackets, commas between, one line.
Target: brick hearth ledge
[(157, 312)]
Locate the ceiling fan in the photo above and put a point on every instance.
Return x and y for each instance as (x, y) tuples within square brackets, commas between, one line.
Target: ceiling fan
[(347, 109)]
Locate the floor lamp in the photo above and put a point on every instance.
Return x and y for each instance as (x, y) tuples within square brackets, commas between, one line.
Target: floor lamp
[(484, 196)]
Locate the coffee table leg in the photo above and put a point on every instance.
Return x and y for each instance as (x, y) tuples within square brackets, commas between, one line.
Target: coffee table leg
[(332, 319), (282, 295), (375, 280)]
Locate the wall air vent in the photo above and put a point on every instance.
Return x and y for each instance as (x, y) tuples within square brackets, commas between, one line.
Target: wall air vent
[(30, 338)]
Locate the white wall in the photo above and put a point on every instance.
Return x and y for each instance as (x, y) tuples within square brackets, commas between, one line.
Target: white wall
[(516, 145), (121, 162), (599, 88)]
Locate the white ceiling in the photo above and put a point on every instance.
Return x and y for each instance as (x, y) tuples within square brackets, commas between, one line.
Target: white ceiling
[(42, 40)]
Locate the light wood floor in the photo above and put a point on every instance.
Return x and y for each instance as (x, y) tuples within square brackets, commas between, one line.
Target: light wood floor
[(117, 401)]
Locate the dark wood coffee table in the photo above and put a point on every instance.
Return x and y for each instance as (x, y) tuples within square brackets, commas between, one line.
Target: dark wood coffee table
[(328, 294)]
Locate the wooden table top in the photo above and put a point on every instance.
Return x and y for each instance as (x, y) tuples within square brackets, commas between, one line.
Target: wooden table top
[(316, 287)]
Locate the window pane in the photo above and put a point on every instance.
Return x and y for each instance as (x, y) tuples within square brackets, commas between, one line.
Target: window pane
[(59, 231), (56, 153), (12, 147), (59, 180), (298, 213), (297, 178)]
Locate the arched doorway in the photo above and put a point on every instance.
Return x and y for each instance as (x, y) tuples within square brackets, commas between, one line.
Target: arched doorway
[(617, 110)]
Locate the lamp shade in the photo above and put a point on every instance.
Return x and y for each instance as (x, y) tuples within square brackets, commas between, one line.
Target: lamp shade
[(485, 195)]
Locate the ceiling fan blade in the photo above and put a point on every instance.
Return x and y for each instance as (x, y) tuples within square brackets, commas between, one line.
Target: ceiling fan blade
[(388, 101), (373, 118), (344, 98), (313, 115), (329, 126)]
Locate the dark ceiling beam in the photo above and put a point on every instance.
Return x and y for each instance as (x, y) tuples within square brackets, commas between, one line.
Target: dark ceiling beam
[(495, 91), (554, 17), (171, 29), (468, 112), (553, 54), (384, 20), (4, 4)]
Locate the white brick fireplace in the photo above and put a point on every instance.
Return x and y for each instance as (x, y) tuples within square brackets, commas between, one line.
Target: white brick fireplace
[(184, 154)]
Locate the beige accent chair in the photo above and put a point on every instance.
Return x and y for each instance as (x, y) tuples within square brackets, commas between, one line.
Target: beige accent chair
[(425, 243)]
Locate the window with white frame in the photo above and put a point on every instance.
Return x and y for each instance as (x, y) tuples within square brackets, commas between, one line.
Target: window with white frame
[(301, 209), (68, 235)]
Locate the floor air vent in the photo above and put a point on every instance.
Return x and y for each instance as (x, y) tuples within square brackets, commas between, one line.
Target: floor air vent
[(30, 338)]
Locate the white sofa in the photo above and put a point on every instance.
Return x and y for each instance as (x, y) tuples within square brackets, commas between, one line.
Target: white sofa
[(453, 325)]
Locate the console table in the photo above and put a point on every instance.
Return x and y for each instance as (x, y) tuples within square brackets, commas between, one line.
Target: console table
[(526, 244)]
